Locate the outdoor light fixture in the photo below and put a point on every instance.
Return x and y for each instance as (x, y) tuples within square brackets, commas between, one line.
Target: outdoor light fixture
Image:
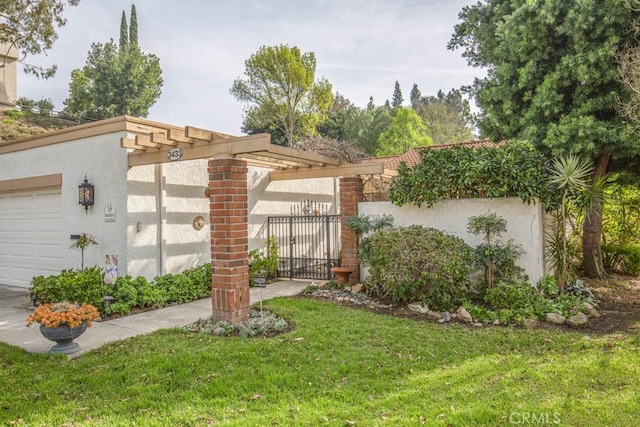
[(85, 193)]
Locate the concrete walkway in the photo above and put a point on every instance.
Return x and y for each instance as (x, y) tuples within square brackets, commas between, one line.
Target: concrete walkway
[(14, 309)]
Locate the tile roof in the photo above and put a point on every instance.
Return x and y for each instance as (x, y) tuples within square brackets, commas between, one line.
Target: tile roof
[(412, 157)]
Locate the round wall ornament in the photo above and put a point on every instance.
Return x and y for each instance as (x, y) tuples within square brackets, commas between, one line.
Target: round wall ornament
[(198, 222)]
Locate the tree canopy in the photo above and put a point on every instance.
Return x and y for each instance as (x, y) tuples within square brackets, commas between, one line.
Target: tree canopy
[(405, 131), (281, 92), (30, 26), (552, 80), (117, 79)]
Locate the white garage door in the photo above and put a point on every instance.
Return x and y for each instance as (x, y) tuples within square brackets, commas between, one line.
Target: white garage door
[(31, 240)]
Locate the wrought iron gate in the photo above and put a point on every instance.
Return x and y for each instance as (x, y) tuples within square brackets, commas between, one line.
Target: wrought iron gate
[(308, 241)]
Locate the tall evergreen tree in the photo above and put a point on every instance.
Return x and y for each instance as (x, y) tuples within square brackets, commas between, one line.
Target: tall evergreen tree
[(552, 79), (415, 96), (124, 33), (116, 79), (133, 27), (370, 104), (397, 96)]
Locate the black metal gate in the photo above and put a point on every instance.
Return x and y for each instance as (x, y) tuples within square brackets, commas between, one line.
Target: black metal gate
[(308, 241)]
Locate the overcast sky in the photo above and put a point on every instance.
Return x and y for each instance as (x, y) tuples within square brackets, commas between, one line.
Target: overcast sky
[(362, 47)]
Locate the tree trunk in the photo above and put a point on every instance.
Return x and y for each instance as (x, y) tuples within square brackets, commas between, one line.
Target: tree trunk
[(592, 229)]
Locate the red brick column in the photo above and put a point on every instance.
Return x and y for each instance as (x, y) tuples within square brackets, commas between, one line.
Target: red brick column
[(230, 297), (351, 193)]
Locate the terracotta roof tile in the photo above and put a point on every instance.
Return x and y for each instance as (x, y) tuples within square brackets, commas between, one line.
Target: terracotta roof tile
[(412, 157)]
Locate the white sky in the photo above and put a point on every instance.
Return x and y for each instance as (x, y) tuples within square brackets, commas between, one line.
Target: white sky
[(362, 47)]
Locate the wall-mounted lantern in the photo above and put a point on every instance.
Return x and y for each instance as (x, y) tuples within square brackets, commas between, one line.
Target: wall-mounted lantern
[(85, 193)]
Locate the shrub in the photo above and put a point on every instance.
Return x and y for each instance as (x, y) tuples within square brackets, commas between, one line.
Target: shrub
[(418, 264), (14, 114), (625, 258), (70, 285), (191, 285)]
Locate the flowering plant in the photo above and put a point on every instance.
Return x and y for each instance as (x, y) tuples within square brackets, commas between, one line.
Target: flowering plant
[(73, 314)]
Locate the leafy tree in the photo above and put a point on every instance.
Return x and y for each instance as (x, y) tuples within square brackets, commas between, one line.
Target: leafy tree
[(552, 79), (30, 26), (396, 102), (446, 116), (282, 92), (377, 122), (406, 131), (115, 81)]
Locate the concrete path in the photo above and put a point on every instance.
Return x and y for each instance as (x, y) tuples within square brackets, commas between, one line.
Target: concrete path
[(14, 309)]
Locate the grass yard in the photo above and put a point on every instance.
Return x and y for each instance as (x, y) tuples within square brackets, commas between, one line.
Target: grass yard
[(339, 367)]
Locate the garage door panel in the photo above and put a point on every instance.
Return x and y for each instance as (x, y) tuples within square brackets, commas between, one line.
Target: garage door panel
[(31, 242)]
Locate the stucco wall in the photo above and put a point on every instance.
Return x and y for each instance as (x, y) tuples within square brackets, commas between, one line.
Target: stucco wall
[(105, 163), (525, 223)]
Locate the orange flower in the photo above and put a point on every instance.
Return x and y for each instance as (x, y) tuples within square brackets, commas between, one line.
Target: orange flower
[(52, 315)]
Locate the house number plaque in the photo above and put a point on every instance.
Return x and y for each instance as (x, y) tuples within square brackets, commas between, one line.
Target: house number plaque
[(174, 154)]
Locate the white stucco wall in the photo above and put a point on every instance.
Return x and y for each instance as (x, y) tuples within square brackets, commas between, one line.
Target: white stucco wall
[(105, 163), (525, 223), (163, 202)]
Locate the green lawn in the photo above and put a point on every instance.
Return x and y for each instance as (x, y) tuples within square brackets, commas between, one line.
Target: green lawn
[(339, 366)]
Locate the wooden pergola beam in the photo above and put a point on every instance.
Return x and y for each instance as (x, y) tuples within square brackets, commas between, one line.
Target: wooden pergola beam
[(328, 171)]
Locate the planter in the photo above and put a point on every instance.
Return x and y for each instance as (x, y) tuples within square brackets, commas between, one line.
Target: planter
[(342, 275), (63, 336)]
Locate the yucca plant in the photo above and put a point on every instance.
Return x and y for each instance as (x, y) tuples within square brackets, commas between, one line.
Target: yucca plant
[(571, 178)]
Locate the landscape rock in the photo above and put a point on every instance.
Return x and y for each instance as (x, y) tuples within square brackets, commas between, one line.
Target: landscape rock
[(433, 315), (418, 308), (554, 318), (496, 322), (578, 320), (463, 315), (477, 325), (530, 323), (445, 317), (591, 310)]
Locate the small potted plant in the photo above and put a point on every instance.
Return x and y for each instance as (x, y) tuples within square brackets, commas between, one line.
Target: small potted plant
[(62, 322)]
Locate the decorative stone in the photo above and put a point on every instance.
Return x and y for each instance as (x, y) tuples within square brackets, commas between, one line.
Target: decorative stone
[(418, 308), (530, 323), (591, 310), (578, 320), (445, 317), (496, 322), (554, 318), (463, 315), (478, 325), (433, 315)]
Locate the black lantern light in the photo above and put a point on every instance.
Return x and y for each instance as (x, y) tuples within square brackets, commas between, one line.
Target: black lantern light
[(85, 193)]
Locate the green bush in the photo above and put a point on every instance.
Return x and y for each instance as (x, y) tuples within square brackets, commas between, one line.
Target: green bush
[(14, 114), (624, 258), (418, 264), (70, 285), (87, 286)]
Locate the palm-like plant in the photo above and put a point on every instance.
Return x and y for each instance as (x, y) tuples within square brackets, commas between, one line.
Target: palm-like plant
[(571, 179)]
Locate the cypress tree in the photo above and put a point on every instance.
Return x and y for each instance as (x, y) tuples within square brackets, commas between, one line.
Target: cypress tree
[(133, 27), (124, 33), (415, 96), (397, 96)]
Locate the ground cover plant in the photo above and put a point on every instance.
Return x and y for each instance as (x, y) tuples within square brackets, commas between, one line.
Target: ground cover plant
[(360, 368)]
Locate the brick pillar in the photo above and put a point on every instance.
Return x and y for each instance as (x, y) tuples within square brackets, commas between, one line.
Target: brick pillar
[(351, 193), (230, 297)]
